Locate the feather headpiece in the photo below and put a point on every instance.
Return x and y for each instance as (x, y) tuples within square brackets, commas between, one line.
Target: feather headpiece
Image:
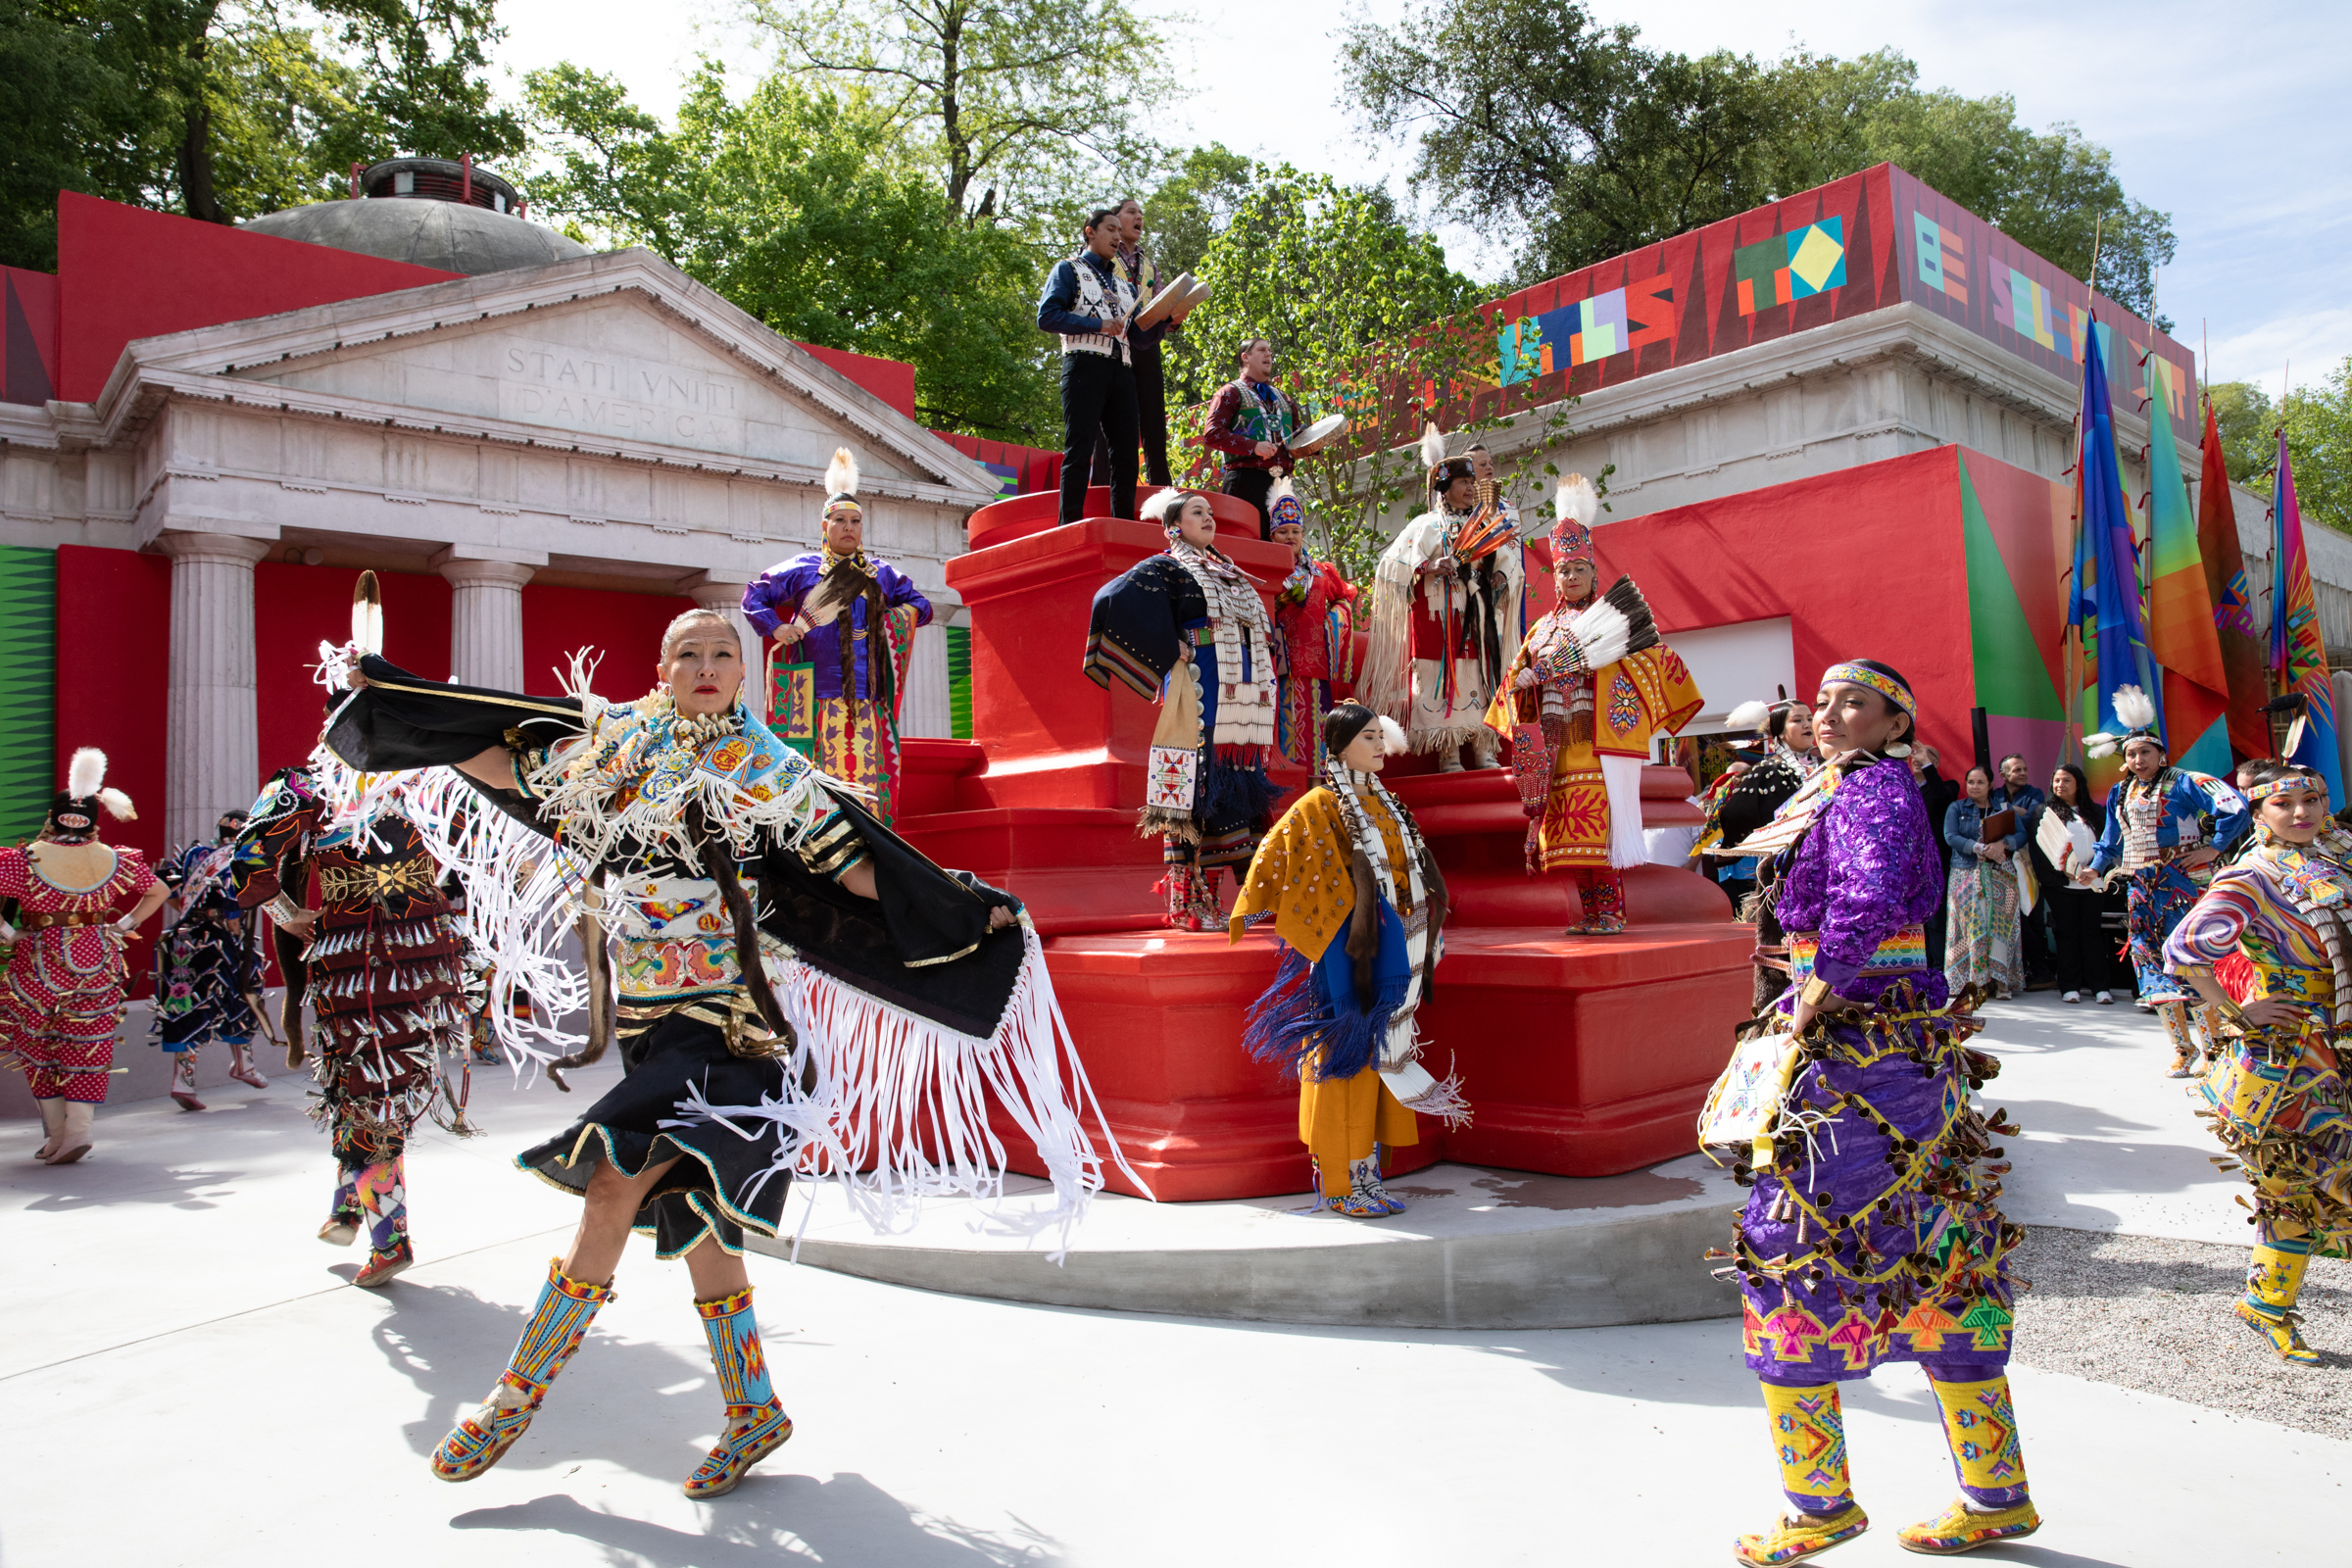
[(367, 614), (841, 485), (2135, 710), (1751, 715), (1443, 470), (1575, 505), (86, 781), (1282, 505)]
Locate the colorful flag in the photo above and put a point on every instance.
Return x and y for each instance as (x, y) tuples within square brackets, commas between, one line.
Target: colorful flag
[(2233, 593), (2298, 657), (2180, 631), (2106, 568)]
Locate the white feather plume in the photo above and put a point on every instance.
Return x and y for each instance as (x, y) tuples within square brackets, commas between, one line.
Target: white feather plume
[(86, 772), (1751, 715), (841, 474), (1392, 740), (2134, 707), (367, 614), (117, 806), (1576, 498), (1603, 633), (1161, 506), (2100, 745), (1433, 446)]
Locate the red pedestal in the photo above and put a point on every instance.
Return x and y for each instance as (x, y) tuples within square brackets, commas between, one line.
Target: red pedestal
[(1583, 1057)]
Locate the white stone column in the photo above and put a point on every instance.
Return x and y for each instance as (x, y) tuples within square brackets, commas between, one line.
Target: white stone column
[(212, 758), (727, 599), (485, 615)]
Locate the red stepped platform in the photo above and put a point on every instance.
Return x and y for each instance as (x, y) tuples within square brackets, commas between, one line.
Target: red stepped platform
[(1583, 1057)]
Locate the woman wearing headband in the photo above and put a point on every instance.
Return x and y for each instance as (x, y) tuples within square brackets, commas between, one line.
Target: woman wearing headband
[(1188, 630), (2276, 1090), (62, 999), (1871, 1233), (1357, 954)]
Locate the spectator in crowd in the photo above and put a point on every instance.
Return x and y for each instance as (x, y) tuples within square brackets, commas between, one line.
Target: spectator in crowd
[(1938, 793), (1981, 897), (2085, 960), (2015, 793)]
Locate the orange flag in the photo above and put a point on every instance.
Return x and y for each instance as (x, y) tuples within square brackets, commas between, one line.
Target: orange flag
[(2233, 593)]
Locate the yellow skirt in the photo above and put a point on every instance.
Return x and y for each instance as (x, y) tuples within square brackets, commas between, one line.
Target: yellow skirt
[(1339, 1120)]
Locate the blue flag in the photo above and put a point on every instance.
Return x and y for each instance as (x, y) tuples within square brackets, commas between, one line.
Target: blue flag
[(2106, 599)]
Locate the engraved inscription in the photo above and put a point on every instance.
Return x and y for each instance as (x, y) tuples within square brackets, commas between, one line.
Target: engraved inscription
[(612, 395)]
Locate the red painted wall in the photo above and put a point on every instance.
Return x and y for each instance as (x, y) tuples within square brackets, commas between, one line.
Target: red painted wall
[(295, 609), (887, 379), (1865, 563), (124, 273), (28, 336), (627, 629), (113, 613)]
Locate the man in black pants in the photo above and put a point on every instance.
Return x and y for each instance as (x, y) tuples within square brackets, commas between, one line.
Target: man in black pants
[(1251, 422), (1143, 342), (1087, 302)]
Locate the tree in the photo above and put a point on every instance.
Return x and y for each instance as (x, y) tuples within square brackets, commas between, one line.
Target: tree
[(1018, 105), (224, 109), (1190, 206), (1543, 127), (2318, 422), (800, 205), (1365, 317)]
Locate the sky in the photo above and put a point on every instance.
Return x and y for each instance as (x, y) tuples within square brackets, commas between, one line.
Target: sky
[(2232, 119)]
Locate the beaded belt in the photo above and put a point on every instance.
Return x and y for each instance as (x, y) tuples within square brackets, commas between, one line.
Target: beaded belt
[(351, 884), (38, 922), (1904, 953)]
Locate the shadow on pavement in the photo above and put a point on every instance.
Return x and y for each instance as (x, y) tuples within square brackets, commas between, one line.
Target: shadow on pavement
[(845, 1520)]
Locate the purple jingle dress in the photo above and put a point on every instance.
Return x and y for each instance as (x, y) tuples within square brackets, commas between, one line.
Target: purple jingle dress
[(1873, 1234)]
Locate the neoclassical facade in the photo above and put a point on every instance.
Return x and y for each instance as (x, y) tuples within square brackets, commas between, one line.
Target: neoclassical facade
[(603, 422)]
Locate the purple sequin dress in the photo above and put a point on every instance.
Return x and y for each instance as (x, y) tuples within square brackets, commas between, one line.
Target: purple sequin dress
[(1873, 1236)]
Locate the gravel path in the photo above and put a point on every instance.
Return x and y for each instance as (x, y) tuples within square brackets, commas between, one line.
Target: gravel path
[(2155, 1315)]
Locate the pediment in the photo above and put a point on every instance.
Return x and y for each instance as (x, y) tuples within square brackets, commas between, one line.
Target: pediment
[(643, 360)]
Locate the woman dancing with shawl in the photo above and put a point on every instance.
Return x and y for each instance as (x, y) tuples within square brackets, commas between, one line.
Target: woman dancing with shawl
[(1871, 1233), (798, 988), (1190, 625), (1357, 950), (2275, 1090)]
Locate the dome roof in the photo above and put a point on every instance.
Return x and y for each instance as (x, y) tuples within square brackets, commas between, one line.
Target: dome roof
[(448, 235)]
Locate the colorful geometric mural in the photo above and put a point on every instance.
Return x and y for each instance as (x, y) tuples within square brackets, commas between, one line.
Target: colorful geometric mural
[(1859, 244)]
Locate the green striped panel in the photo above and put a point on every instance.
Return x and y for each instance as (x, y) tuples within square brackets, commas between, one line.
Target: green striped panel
[(959, 681), (27, 689)]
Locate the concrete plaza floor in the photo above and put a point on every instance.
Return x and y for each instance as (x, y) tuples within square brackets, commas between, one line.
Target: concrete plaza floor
[(189, 1379)]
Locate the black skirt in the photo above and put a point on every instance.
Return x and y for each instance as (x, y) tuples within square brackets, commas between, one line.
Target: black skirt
[(724, 1182)]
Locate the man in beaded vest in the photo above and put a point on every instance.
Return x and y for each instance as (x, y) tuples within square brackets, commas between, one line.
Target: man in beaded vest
[(843, 625), (1088, 302), (1251, 422)]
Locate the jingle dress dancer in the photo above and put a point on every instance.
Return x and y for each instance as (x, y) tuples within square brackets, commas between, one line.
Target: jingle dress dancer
[(1871, 1233), (1313, 639), (1445, 612), (1583, 700), (208, 964), (2274, 1093), (797, 990), (844, 623), (383, 970), (2165, 828), (1357, 952), (1191, 625), (67, 977)]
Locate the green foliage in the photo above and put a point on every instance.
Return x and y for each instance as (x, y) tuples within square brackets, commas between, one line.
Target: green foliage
[(227, 108), (1366, 319), (2318, 422), (1022, 110), (1537, 124), (1189, 208), (797, 206)]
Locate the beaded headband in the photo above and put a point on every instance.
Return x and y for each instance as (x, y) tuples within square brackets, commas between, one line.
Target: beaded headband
[(1287, 512), (2258, 793), (1571, 540), (1885, 685)]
